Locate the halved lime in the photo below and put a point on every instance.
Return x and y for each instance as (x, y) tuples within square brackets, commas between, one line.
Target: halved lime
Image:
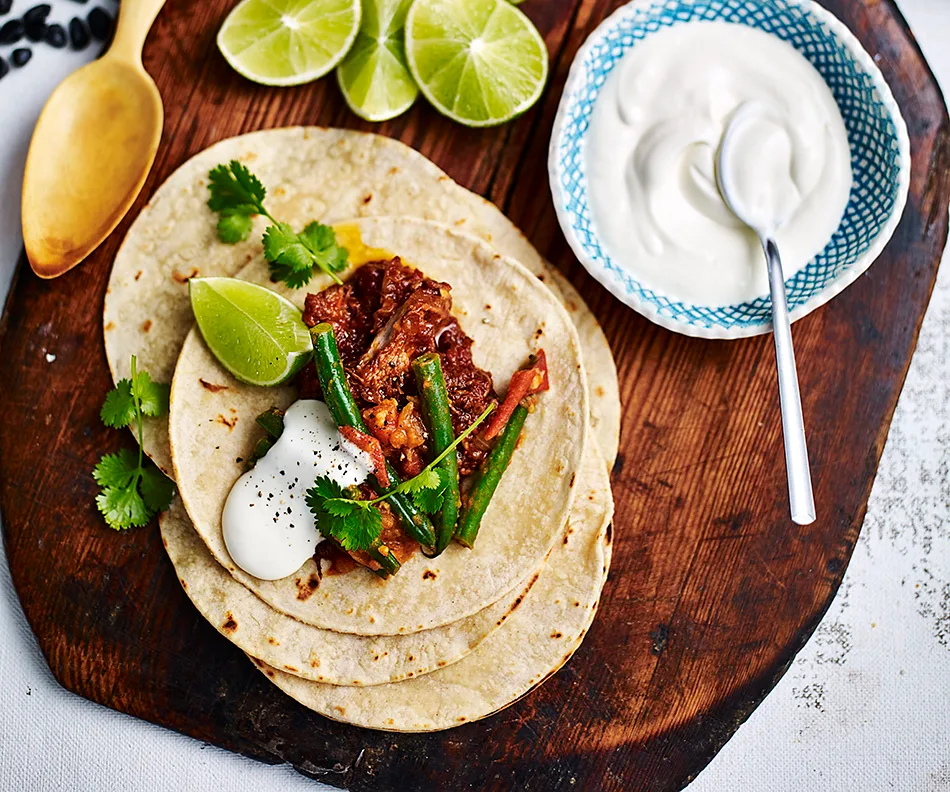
[(254, 333), (374, 77), (288, 42), (480, 62)]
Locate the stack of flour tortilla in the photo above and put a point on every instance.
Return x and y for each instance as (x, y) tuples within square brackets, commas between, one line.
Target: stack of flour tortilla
[(446, 640)]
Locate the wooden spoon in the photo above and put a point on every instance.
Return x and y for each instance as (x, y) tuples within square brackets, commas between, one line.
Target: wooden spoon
[(92, 149)]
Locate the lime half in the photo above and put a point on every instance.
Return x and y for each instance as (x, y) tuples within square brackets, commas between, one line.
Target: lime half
[(254, 333), (480, 62), (288, 42), (374, 77)]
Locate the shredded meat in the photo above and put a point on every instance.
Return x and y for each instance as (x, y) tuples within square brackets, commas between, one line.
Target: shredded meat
[(349, 309), (383, 371), (384, 317)]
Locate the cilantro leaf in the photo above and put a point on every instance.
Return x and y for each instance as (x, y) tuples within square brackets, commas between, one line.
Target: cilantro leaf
[(123, 507), (320, 240), (429, 501), (293, 257), (364, 529), (339, 507), (132, 489), (283, 247), (356, 525), (234, 228), (116, 470), (152, 396), (118, 410), (324, 488), (235, 190), (428, 479), (156, 488), (237, 195)]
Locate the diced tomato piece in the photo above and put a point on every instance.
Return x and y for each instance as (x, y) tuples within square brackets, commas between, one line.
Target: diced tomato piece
[(533, 379), (372, 447)]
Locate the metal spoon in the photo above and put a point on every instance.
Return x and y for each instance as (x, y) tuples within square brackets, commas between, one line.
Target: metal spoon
[(800, 495), (92, 149)]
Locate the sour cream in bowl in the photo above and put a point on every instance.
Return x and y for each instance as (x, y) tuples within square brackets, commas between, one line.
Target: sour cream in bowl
[(633, 158)]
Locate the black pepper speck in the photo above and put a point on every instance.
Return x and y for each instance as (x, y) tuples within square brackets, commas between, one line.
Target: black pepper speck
[(5, 6), (4, 68)]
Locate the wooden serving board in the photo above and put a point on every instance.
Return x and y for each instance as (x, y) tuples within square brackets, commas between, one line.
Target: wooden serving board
[(712, 591)]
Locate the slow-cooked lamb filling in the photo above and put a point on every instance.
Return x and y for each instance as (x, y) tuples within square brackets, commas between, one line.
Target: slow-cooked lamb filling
[(384, 317)]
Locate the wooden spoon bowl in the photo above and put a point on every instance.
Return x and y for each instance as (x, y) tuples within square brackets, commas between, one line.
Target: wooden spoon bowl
[(92, 150)]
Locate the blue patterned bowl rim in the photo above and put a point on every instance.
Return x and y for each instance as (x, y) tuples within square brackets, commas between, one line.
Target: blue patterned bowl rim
[(705, 322)]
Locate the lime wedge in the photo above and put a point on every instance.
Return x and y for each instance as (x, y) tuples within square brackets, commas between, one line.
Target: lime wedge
[(480, 62), (254, 333), (374, 77), (288, 42)]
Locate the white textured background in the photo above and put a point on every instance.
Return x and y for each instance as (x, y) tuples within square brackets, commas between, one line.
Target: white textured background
[(866, 706)]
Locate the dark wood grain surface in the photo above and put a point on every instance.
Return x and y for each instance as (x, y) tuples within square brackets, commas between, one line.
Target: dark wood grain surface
[(712, 591)]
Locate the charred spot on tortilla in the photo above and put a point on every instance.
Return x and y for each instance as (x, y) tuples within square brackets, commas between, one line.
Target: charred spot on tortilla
[(305, 589), (183, 278), (429, 575), (138, 274), (230, 625), (211, 386), (228, 422), (146, 325)]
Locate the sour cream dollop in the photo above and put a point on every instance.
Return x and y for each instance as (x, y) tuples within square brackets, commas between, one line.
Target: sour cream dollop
[(651, 155), (268, 528)]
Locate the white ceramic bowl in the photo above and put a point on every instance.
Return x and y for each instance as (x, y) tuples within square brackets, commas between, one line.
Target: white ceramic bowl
[(877, 134)]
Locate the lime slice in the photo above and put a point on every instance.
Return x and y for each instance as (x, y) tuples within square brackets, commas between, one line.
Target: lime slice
[(480, 62), (288, 42), (254, 333), (374, 77)]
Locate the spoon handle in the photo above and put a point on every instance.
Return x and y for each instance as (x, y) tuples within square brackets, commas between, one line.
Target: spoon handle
[(135, 20), (800, 496)]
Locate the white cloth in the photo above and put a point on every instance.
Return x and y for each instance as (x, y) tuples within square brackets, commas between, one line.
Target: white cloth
[(863, 707)]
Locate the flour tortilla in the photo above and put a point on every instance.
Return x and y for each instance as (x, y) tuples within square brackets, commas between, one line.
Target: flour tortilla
[(311, 173), (334, 658), (342, 658), (510, 315), (527, 649)]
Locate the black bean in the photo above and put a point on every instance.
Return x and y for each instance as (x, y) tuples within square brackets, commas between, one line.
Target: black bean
[(78, 34), (37, 14), (4, 68), (21, 56), (100, 23), (81, 1), (5, 6), (36, 30), (56, 36), (12, 31)]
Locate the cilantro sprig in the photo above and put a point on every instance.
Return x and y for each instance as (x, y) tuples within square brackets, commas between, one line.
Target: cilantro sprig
[(355, 524), (237, 195), (133, 489)]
